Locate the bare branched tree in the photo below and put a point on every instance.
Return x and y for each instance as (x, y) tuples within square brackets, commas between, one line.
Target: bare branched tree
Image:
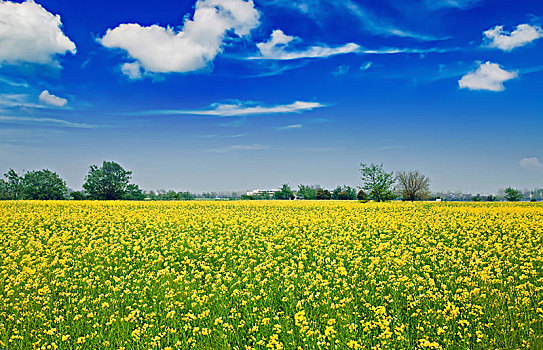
[(412, 185)]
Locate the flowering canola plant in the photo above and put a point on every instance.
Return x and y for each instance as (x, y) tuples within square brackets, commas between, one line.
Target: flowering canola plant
[(270, 275)]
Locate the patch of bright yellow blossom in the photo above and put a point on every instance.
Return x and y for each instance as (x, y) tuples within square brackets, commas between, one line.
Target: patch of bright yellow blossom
[(270, 275)]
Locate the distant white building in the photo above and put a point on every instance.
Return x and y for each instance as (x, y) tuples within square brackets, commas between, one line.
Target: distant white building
[(262, 192)]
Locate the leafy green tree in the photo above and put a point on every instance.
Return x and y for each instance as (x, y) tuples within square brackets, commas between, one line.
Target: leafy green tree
[(490, 198), (344, 193), (306, 192), (512, 195), (4, 190), (284, 193), (377, 182), (108, 182), (362, 196), (133, 193), (186, 196), (78, 195), (43, 185), (412, 185), (12, 186), (323, 194)]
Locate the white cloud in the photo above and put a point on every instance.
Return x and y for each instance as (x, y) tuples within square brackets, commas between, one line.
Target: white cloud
[(239, 108), (47, 121), (531, 163), (276, 48), (163, 50), (132, 70), (366, 66), (507, 41), (51, 99), (489, 76), (292, 126), (29, 33)]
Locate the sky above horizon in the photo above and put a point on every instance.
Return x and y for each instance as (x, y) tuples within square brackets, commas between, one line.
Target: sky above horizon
[(230, 95)]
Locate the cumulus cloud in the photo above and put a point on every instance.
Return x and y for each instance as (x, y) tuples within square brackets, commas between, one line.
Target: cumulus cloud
[(531, 163), (157, 49), (489, 76), (277, 48), (239, 108), (507, 41), (51, 99), (29, 33)]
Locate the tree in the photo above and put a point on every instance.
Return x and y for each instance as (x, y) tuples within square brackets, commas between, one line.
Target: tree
[(284, 193), (133, 193), (187, 196), (412, 185), (362, 196), (306, 192), (323, 194), (109, 182), (4, 190), (78, 195), (43, 185), (377, 182), (512, 195), (12, 188), (344, 193)]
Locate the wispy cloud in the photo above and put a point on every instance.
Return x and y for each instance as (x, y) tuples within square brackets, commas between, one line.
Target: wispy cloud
[(290, 127), (488, 76), (460, 4), (277, 48), (46, 121), (317, 9), (381, 26), (341, 70), (240, 108), (366, 66), (232, 148), (13, 82)]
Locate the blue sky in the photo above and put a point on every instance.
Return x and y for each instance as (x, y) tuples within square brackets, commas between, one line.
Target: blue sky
[(234, 95)]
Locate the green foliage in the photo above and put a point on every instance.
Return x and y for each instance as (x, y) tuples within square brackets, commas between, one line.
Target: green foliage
[(78, 195), (307, 192), (344, 193), (185, 196), (512, 195), (109, 182), (133, 193), (284, 193), (43, 185), (12, 187), (362, 196), (323, 194), (377, 182), (490, 198)]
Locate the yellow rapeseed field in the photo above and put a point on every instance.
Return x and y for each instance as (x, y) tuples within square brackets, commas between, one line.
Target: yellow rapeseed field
[(270, 275)]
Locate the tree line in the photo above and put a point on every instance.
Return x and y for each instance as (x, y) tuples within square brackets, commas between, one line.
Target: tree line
[(111, 182), (107, 182)]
